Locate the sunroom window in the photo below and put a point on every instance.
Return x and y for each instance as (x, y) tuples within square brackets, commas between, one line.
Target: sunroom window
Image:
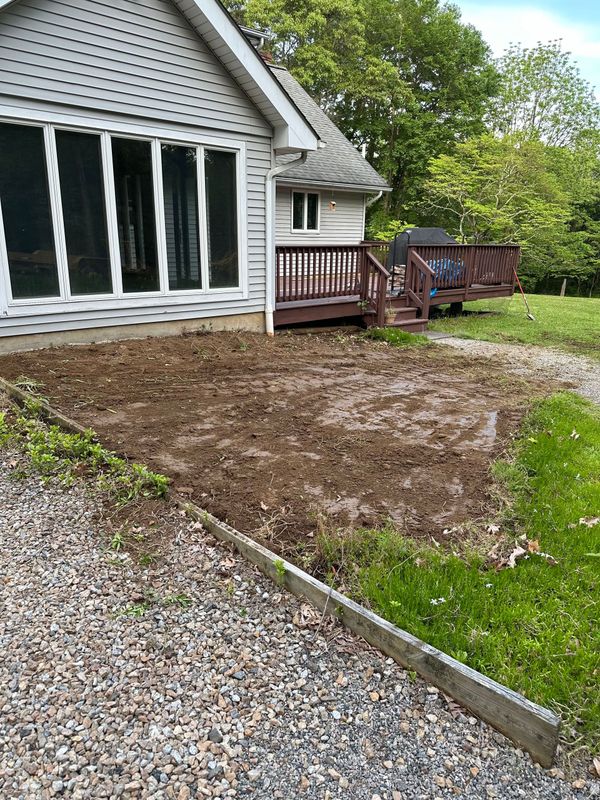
[(97, 215), (26, 213), (84, 212), (221, 211), (134, 190), (182, 215), (305, 211)]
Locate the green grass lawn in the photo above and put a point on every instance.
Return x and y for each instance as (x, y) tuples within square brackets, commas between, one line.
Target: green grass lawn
[(533, 627), (570, 323)]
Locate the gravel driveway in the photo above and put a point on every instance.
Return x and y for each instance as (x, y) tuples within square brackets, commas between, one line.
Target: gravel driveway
[(222, 687), (537, 362)]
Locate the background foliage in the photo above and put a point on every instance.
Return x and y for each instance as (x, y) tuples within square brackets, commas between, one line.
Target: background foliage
[(504, 150)]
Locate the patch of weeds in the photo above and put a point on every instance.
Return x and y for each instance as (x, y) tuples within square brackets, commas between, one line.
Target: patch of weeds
[(147, 559), (6, 432), (181, 600), (117, 541), (532, 625), (397, 337), (55, 453), (280, 571), (136, 610), (30, 385)]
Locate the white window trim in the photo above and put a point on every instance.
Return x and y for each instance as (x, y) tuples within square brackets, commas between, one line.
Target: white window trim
[(304, 229), (118, 298)]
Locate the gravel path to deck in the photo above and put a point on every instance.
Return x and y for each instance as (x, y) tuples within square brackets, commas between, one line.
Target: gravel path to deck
[(537, 362), (221, 687)]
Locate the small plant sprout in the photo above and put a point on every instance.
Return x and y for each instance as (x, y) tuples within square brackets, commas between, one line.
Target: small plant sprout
[(181, 600), (117, 541), (280, 571)]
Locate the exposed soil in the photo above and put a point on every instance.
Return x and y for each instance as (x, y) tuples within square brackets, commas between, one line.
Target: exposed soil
[(272, 435)]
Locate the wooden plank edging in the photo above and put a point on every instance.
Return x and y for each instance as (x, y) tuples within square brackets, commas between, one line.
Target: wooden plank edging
[(529, 725), (532, 727), (51, 414)]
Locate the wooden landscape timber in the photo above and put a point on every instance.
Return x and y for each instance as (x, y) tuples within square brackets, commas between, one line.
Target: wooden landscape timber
[(532, 727)]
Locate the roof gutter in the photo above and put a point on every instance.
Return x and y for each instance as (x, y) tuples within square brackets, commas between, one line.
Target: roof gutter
[(270, 238)]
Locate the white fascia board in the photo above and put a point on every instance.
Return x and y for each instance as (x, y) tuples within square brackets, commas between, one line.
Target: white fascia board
[(292, 131)]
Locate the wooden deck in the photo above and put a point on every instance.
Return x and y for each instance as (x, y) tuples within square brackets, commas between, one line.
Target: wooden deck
[(350, 281)]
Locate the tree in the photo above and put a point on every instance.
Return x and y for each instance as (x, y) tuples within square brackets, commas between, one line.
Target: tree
[(542, 94), (406, 78), (509, 190)]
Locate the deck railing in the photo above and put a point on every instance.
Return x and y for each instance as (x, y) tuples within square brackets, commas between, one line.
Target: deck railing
[(356, 273), (464, 265), (306, 273)]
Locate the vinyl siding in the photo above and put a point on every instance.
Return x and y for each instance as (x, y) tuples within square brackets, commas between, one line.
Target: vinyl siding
[(123, 56), (345, 225)]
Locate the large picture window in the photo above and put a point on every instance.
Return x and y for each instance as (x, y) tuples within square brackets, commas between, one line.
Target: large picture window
[(26, 213), (221, 210), (180, 192), (92, 214), (84, 212), (132, 163)]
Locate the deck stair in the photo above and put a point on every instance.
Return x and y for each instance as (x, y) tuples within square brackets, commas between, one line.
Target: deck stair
[(406, 315)]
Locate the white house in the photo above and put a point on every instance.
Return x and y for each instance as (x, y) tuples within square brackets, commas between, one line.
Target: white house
[(150, 161)]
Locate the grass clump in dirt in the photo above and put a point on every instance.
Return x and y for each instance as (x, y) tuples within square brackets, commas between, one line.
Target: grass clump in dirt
[(530, 623), (57, 454), (397, 337), (568, 323)]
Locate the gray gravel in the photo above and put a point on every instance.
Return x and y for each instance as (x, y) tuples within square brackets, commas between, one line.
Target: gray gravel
[(242, 693), (580, 372)]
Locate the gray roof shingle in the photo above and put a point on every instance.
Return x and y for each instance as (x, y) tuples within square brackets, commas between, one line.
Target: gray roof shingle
[(337, 164)]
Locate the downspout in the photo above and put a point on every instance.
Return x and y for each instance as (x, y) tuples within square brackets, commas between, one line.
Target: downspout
[(373, 200), (270, 237)]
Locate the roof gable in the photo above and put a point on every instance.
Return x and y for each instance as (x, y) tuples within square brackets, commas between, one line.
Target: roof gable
[(215, 27)]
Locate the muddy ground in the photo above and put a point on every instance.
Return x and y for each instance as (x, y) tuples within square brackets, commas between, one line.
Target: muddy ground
[(278, 436)]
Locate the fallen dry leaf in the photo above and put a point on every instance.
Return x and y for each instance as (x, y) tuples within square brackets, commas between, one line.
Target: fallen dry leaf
[(516, 554), (596, 765), (533, 546), (589, 522)]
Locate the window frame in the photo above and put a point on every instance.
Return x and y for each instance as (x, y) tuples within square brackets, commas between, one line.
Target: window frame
[(107, 130), (305, 229)]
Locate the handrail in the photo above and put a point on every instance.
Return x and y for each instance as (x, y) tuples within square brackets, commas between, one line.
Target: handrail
[(374, 281), (418, 282)]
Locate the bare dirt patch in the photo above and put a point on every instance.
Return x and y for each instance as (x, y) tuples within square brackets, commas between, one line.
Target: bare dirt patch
[(273, 434)]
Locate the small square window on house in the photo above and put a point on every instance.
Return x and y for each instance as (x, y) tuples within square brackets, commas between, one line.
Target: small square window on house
[(305, 211)]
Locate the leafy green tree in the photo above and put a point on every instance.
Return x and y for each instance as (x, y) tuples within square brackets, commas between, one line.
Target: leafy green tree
[(542, 94), (406, 78), (506, 190)]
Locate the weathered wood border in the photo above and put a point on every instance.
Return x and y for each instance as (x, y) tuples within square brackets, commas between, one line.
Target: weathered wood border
[(51, 414), (531, 726)]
